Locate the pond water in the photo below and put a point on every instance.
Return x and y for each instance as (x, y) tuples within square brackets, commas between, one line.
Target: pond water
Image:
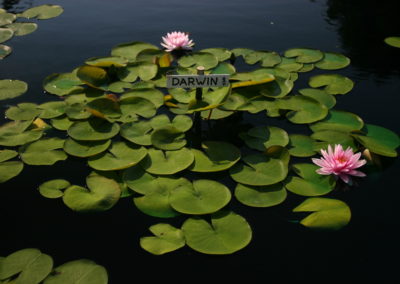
[(281, 251)]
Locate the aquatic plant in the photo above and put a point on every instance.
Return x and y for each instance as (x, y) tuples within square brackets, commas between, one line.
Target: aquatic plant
[(176, 41), (147, 142)]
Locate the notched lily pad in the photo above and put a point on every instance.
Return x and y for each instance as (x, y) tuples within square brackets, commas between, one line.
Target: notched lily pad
[(166, 239), (130, 50), (305, 55), (23, 111), (43, 12), (167, 163), (301, 145), (339, 121), (93, 129), (5, 34), (10, 89), (260, 196), (54, 188), (335, 84), (333, 61), (84, 149), (5, 50), (43, 152), (10, 169), (262, 137), (21, 29)]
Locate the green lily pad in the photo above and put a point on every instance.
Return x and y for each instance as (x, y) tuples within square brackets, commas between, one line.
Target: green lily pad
[(43, 12), (201, 197), (304, 55), (151, 55), (319, 95), (21, 29), (328, 214), (290, 65), (10, 89), (5, 34), (277, 88), (102, 194), (54, 188), (216, 113), (107, 61), (137, 106), (310, 183), (393, 41), (261, 169), (335, 84), (77, 111), (6, 155), (153, 95), (167, 163), (104, 108), (332, 137), (95, 77), (32, 266), (84, 149), (137, 179), (137, 132), (120, 155), (227, 233), (241, 51), (166, 239), (339, 121), (117, 177), (62, 84), (301, 145), (61, 123), (224, 68), (168, 138), (260, 196), (155, 201), (222, 54), (263, 137), (93, 129), (267, 58), (11, 169), (15, 133), (333, 61), (78, 271), (378, 140), (130, 50), (119, 87), (143, 70), (52, 109), (23, 111), (43, 152), (7, 18), (4, 52), (216, 156), (306, 68), (205, 59)]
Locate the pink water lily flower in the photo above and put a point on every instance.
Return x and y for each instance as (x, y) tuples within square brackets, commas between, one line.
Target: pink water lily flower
[(177, 40), (341, 163)]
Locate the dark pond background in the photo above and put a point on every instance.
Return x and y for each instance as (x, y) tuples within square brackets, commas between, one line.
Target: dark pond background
[(281, 251)]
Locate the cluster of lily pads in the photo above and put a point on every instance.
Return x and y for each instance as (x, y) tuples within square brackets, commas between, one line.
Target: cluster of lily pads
[(137, 136), (34, 267)]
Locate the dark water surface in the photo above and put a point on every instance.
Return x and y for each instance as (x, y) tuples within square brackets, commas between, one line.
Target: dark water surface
[(281, 251)]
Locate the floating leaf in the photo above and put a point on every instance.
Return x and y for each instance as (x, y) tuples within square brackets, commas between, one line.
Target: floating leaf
[(4, 52), (23, 111), (143, 70), (332, 137), (339, 121), (43, 152), (333, 61), (168, 138), (328, 214), (306, 68), (261, 170), (84, 149), (167, 238), (263, 137), (6, 18), (43, 12), (227, 233), (301, 145), (107, 61), (137, 179), (52, 109), (61, 123), (53, 188), (5, 34), (201, 197), (267, 58), (216, 156), (130, 50), (207, 60), (78, 271), (21, 29), (290, 65), (167, 163), (224, 68), (93, 129), (241, 51), (8, 170), (62, 84), (95, 77), (305, 55), (120, 155), (6, 155), (310, 183), (222, 54), (132, 106), (137, 132), (335, 84), (12, 88), (378, 140), (15, 133), (393, 41), (104, 107), (319, 95), (260, 196), (102, 194), (119, 87)]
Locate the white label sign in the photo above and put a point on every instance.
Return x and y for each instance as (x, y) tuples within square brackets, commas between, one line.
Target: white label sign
[(197, 81)]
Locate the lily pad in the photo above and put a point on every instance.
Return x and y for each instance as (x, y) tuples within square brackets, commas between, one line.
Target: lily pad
[(393, 41), (153, 95), (328, 214), (4, 51), (130, 50), (216, 156), (137, 179), (332, 137), (16, 133), (224, 68), (78, 271), (84, 149), (378, 140), (339, 121), (52, 109), (260, 196), (95, 77), (12, 88), (335, 84), (62, 84), (93, 129), (119, 87), (305, 55), (262, 137), (290, 65), (227, 233), (23, 111), (120, 155), (21, 29), (5, 34), (168, 138), (107, 61), (137, 106), (207, 60), (32, 266), (201, 197), (104, 108), (222, 54), (6, 155), (241, 51), (267, 58), (310, 183), (319, 95), (61, 123), (6, 18), (43, 12), (259, 170), (54, 188), (333, 61), (301, 145), (137, 132), (143, 70), (102, 194), (43, 152), (166, 239), (11, 169), (167, 163)]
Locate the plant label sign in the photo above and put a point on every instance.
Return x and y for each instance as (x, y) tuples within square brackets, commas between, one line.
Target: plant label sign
[(197, 81)]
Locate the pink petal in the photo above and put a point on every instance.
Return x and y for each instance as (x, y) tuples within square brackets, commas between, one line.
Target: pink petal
[(357, 173), (345, 178)]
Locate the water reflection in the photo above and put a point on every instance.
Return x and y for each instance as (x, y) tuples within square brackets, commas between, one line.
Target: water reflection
[(17, 6), (362, 27)]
